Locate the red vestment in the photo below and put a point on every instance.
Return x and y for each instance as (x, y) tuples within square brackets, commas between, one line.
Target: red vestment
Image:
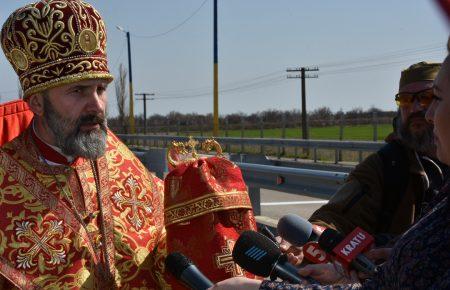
[(88, 225)]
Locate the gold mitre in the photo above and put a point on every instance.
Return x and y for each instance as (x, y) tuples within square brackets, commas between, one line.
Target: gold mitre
[(54, 42)]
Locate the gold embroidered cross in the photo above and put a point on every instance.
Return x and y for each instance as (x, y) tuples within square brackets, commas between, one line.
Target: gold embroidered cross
[(132, 201), (39, 243), (225, 260)]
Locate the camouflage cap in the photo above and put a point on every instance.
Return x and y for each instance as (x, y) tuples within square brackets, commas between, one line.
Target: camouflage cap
[(422, 71)]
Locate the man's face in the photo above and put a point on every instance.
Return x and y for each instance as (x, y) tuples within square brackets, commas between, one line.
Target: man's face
[(76, 116), (415, 131)]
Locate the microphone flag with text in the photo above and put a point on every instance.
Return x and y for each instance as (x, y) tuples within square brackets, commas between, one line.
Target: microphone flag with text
[(347, 250)]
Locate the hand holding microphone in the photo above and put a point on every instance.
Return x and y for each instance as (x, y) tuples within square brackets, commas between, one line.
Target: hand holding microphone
[(300, 232), (302, 235), (348, 249)]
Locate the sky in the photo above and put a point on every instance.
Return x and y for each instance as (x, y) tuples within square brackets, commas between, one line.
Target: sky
[(359, 46)]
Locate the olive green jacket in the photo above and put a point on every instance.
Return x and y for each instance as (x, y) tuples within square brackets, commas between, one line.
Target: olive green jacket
[(359, 202)]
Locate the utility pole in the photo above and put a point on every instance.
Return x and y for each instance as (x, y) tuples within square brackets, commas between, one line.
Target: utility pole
[(130, 86), (303, 76), (216, 76), (144, 98)]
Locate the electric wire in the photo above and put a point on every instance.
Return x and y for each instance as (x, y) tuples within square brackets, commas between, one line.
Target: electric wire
[(119, 57), (365, 68), (368, 63), (225, 85), (173, 28), (253, 86)]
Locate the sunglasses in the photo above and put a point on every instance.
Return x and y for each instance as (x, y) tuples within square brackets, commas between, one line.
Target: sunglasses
[(424, 97)]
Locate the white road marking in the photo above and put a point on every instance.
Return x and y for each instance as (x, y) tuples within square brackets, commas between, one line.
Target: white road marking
[(294, 202)]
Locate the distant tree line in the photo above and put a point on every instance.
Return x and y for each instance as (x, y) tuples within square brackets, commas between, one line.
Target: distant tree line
[(175, 121), (320, 117)]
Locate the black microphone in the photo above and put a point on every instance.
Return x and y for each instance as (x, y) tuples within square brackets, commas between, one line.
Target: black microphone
[(259, 255), (296, 230), (347, 249), (301, 233), (183, 269)]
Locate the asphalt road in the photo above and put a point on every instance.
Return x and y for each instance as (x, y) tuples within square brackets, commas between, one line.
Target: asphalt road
[(275, 204)]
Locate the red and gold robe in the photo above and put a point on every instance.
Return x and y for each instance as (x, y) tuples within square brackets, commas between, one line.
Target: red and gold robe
[(83, 225)]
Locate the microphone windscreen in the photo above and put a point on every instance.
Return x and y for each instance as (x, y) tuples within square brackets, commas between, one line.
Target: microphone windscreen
[(294, 229), (256, 253), (176, 263), (329, 239)]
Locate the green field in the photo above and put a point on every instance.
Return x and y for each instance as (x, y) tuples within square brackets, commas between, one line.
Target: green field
[(359, 132)]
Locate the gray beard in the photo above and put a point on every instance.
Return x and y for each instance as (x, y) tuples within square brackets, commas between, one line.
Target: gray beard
[(421, 142), (68, 137)]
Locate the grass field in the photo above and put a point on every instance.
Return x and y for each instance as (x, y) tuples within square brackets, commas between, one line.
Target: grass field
[(360, 132)]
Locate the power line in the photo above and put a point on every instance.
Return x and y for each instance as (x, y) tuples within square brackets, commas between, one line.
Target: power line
[(387, 55), (369, 67), (144, 99), (225, 86), (346, 66), (230, 87), (119, 57), (173, 28), (264, 84), (303, 76)]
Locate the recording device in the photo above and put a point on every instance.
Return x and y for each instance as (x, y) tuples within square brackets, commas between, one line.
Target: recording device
[(183, 269), (296, 230), (301, 233), (348, 250), (259, 255)]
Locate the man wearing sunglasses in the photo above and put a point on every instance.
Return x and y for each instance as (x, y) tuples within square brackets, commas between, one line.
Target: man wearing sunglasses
[(391, 189)]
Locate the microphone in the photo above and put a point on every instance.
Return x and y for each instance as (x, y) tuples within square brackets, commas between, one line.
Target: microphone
[(301, 233), (183, 269), (348, 250), (298, 231), (259, 255)]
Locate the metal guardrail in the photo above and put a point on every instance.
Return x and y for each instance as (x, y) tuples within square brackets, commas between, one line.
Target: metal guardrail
[(316, 183), (293, 180), (276, 142), (337, 146)]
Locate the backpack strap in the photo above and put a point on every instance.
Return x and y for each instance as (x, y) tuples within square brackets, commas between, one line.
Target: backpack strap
[(396, 177)]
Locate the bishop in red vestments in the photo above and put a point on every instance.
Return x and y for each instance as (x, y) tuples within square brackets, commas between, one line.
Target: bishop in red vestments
[(77, 209)]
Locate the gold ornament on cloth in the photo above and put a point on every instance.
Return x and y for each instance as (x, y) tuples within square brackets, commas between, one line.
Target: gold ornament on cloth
[(55, 42), (183, 152)]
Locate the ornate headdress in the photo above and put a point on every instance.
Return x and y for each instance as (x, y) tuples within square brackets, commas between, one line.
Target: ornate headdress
[(55, 42)]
